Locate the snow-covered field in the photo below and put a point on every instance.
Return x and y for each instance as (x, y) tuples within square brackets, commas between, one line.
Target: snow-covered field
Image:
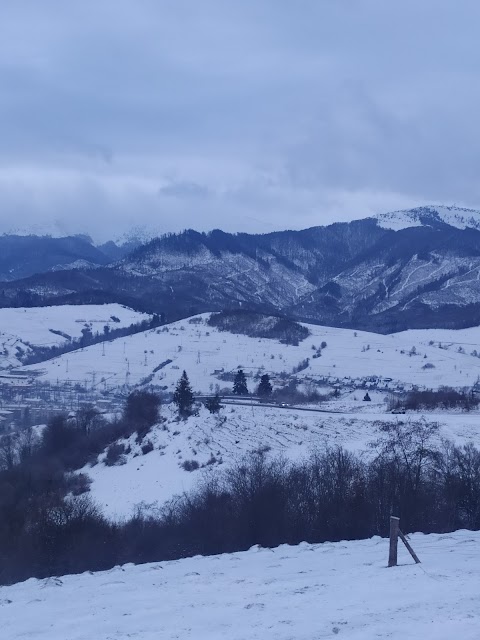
[(203, 352), (304, 592), (466, 339), (216, 442), (35, 326)]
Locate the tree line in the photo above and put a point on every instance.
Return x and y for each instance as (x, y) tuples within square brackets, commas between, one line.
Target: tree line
[(88, 338)]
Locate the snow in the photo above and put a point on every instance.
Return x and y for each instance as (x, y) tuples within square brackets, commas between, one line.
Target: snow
[(22, 327), (217, 442), (202, 350), (457, 217), (468, 339), (303, 592)]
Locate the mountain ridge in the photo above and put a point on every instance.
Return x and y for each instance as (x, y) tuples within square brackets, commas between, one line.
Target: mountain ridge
[(359, 274)]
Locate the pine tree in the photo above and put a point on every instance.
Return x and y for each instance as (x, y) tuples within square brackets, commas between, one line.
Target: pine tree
[(183, 396), (265, 387), (213, 404), (240, 384)]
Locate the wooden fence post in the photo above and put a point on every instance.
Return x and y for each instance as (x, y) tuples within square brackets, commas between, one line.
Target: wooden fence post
[(395, 533), (394, 529)]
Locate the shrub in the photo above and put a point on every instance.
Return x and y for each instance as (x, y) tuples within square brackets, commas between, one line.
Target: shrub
[(79, 484), (115, 455), (445, 398), (190, 465), (213, 404), (142, 411), (147, 447)]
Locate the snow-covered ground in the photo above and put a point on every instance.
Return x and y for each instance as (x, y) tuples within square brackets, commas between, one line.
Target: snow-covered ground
[(304, 592), (36, 326), (203, 352), (457, 217), (447, 339), (217, 442)]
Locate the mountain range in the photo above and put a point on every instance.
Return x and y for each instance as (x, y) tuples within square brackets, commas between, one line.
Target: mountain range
[(409, 269)]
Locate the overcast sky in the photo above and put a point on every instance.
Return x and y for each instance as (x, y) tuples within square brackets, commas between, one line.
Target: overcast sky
[(247, 115)]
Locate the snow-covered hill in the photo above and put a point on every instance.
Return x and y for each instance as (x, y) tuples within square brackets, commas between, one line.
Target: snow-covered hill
[(158, 357), (303, 592), (25, 328), (432, 215), (209, 444)]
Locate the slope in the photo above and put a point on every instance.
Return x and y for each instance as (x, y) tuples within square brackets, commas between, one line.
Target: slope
[(24, 329), (210, 357), (305, 592), (184, 453)]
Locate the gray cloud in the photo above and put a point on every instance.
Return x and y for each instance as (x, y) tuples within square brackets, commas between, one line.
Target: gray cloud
[(249, 115)]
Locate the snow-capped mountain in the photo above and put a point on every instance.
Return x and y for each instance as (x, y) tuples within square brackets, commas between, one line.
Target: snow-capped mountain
[(430, 216), (408, 269)]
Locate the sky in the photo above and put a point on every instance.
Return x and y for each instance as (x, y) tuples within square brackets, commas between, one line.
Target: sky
[(244, 115)]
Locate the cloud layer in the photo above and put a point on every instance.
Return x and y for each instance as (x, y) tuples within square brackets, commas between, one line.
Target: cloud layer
[(253, 115)]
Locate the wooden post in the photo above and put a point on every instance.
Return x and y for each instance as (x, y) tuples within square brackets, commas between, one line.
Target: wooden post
[(394, 529), (395, 533), (407, 544)]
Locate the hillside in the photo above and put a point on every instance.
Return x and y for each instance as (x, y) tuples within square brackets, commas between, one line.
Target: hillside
[(409, 269), (432, 216), (211, 357), (206, 444), (304, 592), (23, 330)]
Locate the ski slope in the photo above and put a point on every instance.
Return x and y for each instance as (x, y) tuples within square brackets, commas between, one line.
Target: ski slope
[(350, 357), (304, 592), (24, 328)]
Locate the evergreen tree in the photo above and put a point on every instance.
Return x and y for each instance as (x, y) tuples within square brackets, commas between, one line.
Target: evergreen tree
[(213, 404), (183, 396), (265, 387), (240, 384)]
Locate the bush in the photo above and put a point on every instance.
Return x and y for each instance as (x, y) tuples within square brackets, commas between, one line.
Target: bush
[(147, 447), (213, 404), (444, 398), (115, 455), (79, 484), (142, 411), (190, 465)]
